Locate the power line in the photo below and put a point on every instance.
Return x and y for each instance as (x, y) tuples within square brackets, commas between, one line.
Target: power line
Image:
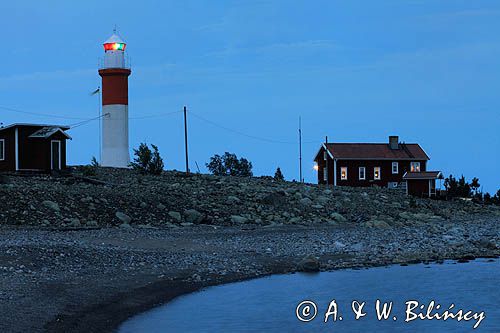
[(39, 114), (75, 125), (255, 137)]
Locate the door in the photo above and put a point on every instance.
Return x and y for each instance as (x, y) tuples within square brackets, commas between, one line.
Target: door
[(55, 155)]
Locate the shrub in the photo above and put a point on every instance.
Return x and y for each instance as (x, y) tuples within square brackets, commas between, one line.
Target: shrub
[(278, 175), (91, 169), (229, 165), (147, 161)]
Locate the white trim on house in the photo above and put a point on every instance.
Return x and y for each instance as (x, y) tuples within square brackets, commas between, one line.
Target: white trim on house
[(395, 164), (2, 150), (52, 154), (16, 147), (364, 173), (379, 173), (343, 173), (334, 172)]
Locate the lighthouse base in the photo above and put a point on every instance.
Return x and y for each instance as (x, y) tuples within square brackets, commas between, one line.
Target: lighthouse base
[(115, 149)]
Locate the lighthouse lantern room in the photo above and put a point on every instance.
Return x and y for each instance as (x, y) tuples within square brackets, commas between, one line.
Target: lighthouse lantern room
[(114, 73)]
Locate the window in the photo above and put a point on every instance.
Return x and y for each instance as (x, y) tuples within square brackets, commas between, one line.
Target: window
[(362, 173), (325, 156), (325, 174), (415, 166), (343, 173), (376, 173), (2, 149), (395, 167)]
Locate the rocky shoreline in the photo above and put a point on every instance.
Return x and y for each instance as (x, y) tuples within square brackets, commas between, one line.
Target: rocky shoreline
[(70, 262)]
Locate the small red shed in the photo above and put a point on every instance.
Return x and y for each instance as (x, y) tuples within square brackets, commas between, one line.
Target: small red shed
[(422, 184), (33, 147)]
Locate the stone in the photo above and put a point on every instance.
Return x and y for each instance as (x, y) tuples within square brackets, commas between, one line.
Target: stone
[(161, 206), (51, 205), (275, 198), (338, 217), (124, 218), (176, 216), (91, 223), (233, 199), (193, 216), (125, 226), (237, 219), (295, 220), (74, 222), (308, 264), (305, 201)]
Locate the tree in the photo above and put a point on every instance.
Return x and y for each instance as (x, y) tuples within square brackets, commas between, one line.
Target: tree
[(474, 185), (464, 190), (487, 198), (229, 165), (451, 186), (147, 161), (278, 175)]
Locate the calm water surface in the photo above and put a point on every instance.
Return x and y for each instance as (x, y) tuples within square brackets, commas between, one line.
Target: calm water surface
[(269, 304)]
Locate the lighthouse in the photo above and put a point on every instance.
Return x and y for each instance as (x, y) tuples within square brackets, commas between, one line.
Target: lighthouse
[(114, 72)]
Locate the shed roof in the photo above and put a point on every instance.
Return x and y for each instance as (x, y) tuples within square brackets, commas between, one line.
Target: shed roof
[(62, 127), (376, 151), (423, 175), (48, 131)]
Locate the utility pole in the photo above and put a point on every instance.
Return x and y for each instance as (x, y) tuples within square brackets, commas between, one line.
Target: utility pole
[(300, 151), (186, 139)]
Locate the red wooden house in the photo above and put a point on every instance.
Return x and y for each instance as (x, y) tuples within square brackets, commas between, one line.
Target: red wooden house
[(369, 164), (33, 147)]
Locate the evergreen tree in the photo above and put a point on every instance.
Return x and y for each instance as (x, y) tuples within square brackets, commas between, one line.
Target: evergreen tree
[(278, 175), (147, 161)]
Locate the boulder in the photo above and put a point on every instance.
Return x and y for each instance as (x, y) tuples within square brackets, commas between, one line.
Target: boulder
[(51, 205), (161, 206), (308, 264), (306, 201), (275, 198), (338, 217), (176, 216), (124, 218), (193, 216), (237, 219)]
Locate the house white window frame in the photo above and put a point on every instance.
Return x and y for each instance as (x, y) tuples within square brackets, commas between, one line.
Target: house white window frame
[(343, 177), (414, 166), (364, 173), (52, 154), (395, 168), (2, 150), (375, 173)]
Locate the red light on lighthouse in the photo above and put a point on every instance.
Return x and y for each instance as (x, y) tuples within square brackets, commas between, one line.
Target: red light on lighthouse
[(115, 46)]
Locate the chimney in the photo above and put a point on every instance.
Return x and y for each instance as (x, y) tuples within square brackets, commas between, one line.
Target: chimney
[(394, 142)]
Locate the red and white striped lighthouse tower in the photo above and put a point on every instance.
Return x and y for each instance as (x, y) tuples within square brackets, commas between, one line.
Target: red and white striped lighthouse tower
[(114, 72)]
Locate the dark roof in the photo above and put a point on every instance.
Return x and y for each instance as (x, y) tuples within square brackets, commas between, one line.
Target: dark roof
[(62, 127), (423, 175), (48, 131), (376, 151)]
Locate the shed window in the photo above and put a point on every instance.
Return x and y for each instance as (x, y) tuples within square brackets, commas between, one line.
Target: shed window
[(362, 173), (343, 173), (325, 174), (395, 167), (415, 166), (325, 156), (376, 173), (2, 149)]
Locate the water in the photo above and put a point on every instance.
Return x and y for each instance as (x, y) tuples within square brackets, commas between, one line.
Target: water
[(269, 304)]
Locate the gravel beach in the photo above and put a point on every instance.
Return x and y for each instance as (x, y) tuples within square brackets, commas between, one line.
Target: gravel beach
[(83, 257)]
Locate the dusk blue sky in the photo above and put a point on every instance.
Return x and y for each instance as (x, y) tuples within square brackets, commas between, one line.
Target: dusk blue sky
[(357, 71)]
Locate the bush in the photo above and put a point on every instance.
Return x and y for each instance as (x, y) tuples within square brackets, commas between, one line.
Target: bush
[(147, 161), (91, 169), (278, 175), (229, 165)]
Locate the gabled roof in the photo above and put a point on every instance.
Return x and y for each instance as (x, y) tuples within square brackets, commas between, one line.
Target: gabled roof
[(423, 175), (48, 131), (375, 151)]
